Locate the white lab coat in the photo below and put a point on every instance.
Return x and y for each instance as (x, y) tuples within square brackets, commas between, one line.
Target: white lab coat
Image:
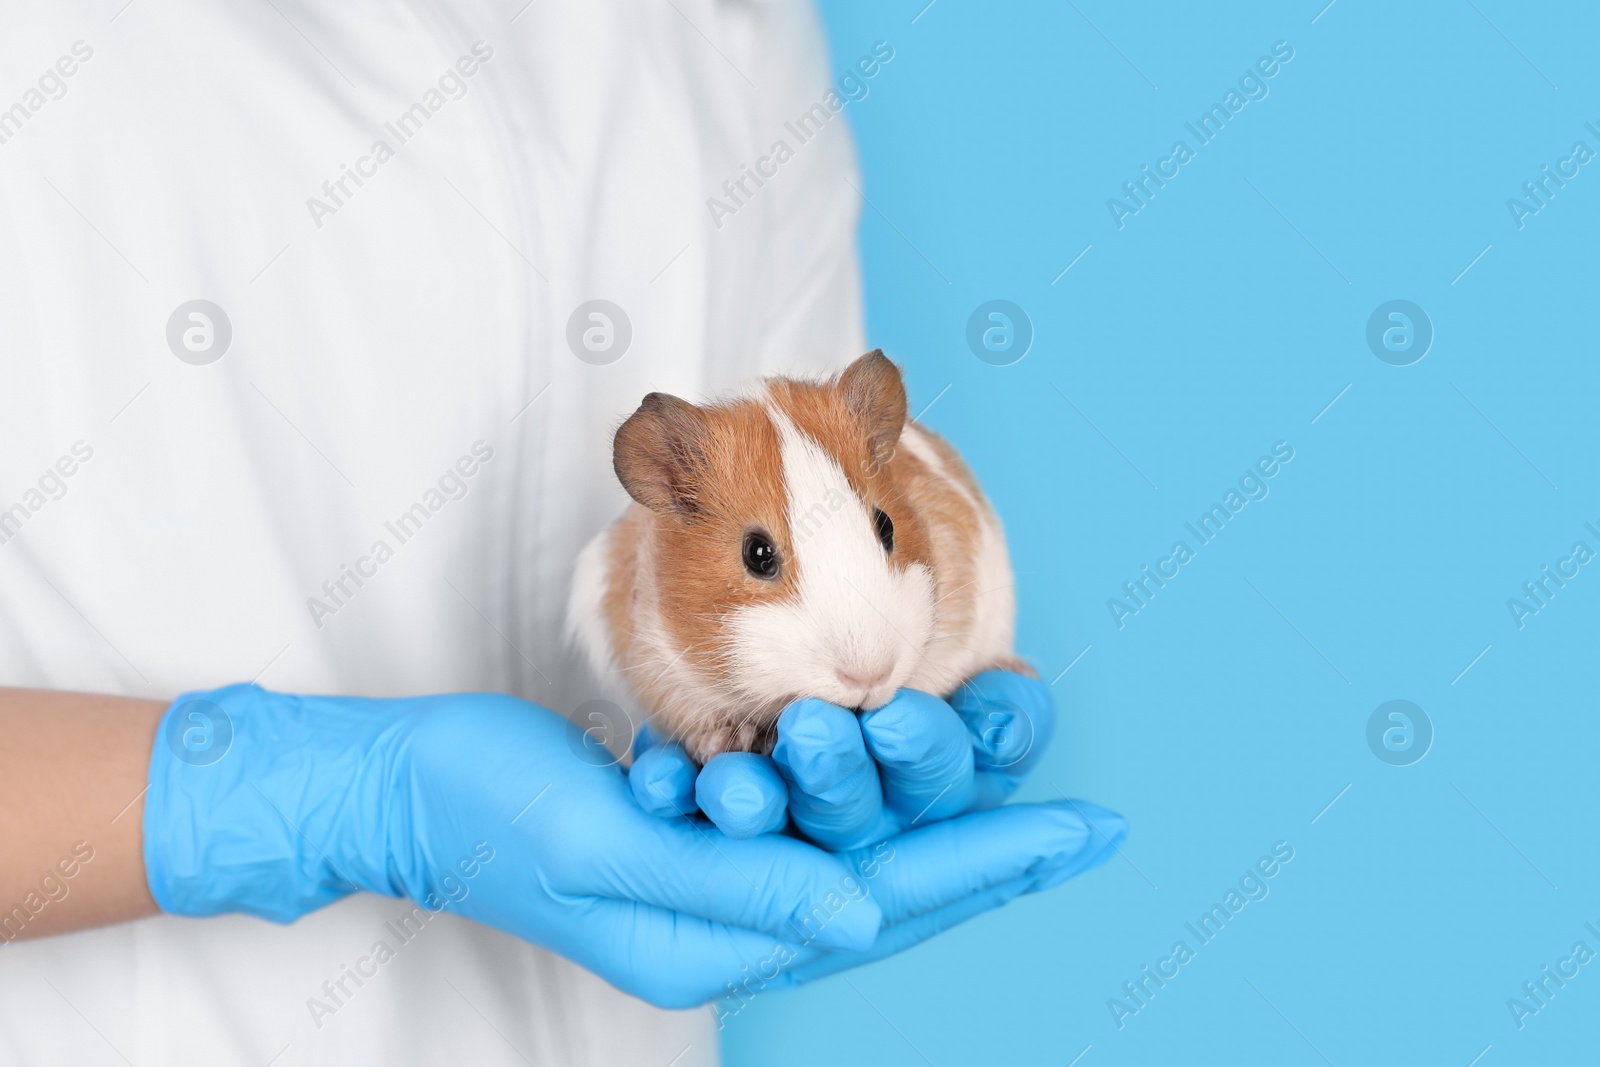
[(377, 336)]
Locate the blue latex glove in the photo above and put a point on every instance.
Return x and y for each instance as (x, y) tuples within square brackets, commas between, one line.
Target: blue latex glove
[(849, 780), (499, 810)]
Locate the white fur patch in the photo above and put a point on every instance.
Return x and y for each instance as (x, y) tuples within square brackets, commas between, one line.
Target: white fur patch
[(586, 620), (856, 614), (953, 656)]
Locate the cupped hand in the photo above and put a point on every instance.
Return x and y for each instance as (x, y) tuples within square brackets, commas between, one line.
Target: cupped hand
[(674, 910), (909, 796), (499, 810), (848, 780)]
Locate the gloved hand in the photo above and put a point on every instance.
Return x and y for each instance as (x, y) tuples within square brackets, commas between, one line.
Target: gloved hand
[(497, 810), (849, 780)]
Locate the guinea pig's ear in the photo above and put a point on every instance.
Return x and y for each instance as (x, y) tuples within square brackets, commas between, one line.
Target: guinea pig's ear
[(874, 392), (658, 454)]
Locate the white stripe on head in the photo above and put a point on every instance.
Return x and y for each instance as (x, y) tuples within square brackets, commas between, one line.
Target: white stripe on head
[(859, 626)]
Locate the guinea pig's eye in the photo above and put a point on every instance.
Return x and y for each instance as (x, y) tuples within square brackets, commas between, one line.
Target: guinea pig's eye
[(885, 529), (760, 555)]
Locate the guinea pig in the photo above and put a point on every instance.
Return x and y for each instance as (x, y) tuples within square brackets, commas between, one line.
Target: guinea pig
[(808, 540)]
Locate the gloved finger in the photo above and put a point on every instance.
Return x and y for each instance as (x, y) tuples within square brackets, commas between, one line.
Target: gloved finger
[(663, 781), (1010, 718), (646, 737), (924, 756), (925, 870), (667, 958), (773, 884), (993, 790), (834, 795), (897, 937), (698, 954), (904, 935), (742, 793)]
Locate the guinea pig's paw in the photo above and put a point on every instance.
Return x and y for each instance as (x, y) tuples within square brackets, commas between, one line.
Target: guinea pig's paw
[(755, 733)]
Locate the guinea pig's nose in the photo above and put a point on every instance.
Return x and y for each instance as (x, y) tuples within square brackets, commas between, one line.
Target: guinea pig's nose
[(866, 679)]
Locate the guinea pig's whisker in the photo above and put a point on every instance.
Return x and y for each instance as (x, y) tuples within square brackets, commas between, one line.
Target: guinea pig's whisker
[(958, 648), (740, 725), (954, 591), (750, 715), (630, 667)]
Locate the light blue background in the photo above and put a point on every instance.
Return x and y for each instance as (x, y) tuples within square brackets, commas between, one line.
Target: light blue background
[(1213, 325)]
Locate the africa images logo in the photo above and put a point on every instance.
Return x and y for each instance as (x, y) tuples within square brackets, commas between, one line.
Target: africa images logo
[(449, 86), (1252, 86)]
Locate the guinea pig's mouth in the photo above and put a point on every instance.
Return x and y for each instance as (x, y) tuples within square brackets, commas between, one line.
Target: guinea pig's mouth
[(856, 689), (872, 698)]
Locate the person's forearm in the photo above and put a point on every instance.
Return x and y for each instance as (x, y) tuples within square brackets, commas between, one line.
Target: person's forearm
[(73, 769)]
